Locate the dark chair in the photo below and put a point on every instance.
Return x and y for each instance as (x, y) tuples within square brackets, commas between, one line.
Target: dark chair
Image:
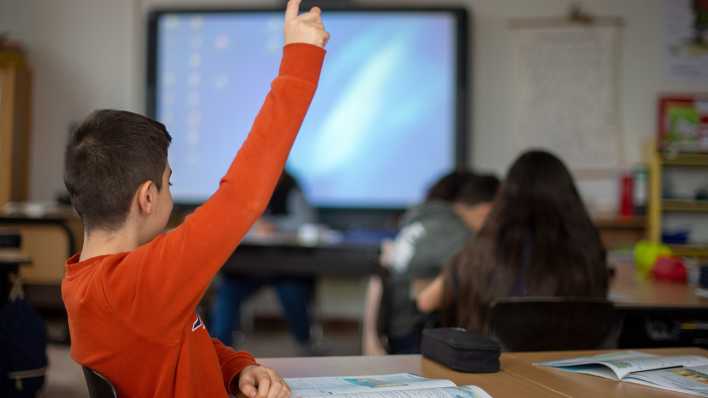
[(553, 323), (387, 308), (98, 385)]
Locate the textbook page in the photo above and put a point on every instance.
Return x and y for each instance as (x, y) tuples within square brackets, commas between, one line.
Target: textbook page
[(623, 363), (325, 386), (442, 392), (686, 380)]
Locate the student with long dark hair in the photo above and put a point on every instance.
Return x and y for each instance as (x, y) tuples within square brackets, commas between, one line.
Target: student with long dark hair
[(537, 241)]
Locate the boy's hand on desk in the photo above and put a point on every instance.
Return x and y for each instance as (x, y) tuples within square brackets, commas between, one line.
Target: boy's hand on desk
[(257, 381), (306, 28)]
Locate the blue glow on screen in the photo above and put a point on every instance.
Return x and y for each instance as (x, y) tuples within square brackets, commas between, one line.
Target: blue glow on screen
[(380, 128)]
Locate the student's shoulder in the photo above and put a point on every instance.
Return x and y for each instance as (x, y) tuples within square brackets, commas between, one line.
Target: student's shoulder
[(427, 211)]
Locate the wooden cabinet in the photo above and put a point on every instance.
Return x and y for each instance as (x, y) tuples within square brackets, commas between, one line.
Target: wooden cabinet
[(15, 102)]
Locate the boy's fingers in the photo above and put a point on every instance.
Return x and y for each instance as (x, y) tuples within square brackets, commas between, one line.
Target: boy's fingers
[(248, 391), (311, 17), (247, 385), (316, 25), (292, 9), (275, 389), (263, 384)]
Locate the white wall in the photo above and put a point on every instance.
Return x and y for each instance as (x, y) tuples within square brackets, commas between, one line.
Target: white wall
[(82, 54)]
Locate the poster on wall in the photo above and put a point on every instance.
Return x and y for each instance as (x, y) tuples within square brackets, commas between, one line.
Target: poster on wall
[(566, 93), (683, 123), (686, 39)]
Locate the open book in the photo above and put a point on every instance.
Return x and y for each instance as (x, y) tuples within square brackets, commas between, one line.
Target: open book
[(687, 374), (400, 385)]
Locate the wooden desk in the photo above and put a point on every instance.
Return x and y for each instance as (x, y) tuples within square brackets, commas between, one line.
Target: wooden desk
[(499, 385), (577, 385), (657, 314), (629, 292), (49, 238), (13, 257), (518, 378)]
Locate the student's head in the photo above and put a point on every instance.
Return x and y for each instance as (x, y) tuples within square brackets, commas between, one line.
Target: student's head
[(447, 187), (116, 171), (474, 201), (538, 238), (539, 203)]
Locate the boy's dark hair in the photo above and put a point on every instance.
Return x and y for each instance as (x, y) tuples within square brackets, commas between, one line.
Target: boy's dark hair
[(478, 189), (107, 158), (447, 187)]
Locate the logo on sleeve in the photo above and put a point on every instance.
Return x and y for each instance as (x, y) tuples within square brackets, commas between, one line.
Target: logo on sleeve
[(198, 323)]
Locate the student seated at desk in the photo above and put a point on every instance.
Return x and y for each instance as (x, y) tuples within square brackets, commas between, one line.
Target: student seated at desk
[(131, 294), (431, 233), (287, 211), (537, 241)]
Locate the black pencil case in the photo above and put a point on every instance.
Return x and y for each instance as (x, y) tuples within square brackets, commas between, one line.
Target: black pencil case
[(461, 350)]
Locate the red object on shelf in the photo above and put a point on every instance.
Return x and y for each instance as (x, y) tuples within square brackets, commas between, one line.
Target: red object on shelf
[(626, 208)]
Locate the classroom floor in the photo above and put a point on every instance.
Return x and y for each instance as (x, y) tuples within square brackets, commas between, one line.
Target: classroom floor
[(65, 379)]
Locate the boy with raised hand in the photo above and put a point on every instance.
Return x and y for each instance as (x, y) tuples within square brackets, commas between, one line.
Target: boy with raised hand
[(132, 292)]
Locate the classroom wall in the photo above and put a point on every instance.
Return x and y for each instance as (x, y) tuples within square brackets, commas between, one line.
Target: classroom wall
[(89, 54), (83, 56)]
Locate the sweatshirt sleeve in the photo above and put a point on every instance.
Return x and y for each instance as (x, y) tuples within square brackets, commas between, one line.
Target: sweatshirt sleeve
[(231, 363), (162, 281)]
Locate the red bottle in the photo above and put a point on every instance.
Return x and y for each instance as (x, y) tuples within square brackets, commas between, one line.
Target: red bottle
[(626, 208)]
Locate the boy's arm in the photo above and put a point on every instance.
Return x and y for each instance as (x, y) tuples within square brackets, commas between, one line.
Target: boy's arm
[(161, 282), (176, 268)]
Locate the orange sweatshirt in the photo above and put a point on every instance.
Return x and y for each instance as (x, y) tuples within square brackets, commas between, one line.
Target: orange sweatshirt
[(132, 316)]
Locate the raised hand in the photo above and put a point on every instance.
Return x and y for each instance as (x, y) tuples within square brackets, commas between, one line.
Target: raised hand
[(304, 28)]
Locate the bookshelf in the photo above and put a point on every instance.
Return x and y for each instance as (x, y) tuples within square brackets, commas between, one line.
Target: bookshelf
[(659, 206)]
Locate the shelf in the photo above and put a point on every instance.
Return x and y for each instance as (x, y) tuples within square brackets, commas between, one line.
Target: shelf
[(690, 250), (686, 159), (686, 206)]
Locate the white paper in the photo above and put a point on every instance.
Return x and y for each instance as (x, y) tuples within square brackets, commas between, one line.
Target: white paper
[(444, 392), (326, 386), (687, 380), (566, 96), (683, 373)]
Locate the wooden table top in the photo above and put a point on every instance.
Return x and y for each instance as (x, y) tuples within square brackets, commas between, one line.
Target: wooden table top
[(631, 291), (578, 385), (13, 257), (519, 376)]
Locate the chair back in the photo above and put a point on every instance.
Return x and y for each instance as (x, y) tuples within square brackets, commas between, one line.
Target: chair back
[(98, 385), (552, 323)]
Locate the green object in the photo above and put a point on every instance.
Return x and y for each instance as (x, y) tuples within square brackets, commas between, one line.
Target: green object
[(646, 253), (683, 124)]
